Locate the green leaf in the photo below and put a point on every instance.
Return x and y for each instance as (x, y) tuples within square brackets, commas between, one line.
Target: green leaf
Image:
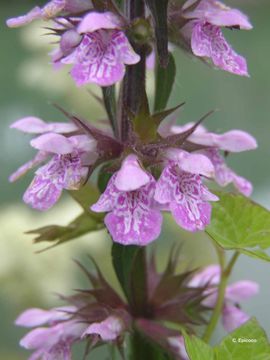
[(110, 105), (197, 349), (61, 234), (130, 266), (248, 342), (164, 83), (158, 9), (240, 224)]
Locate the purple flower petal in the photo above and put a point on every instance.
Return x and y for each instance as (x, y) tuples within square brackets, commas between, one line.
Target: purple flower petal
[(53, 143), (30, 124), (134, 217), (225, 176), (217, 13), (83, 143), (209, 275), (190, 162), (34, 14), (191, 215), (186, 196), (235, 141), (96, 21), (135, 226), (36, 317), (233, 317), (207, 41), (68, 42), (34, 125), (42, 193), (108, 330), (107, 200), (51, 340), (38, 159), (100, 58), (131, 176), (241, 290)]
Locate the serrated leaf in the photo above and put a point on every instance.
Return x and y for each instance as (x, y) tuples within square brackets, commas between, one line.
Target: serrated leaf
[(197, 349), (61, 234), (129, 265), (239, 223), (248, 342), (164, 84), (235, 347), (158, 9)]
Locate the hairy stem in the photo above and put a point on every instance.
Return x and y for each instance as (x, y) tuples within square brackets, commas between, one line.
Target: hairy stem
[(225, 274), (134, 81)]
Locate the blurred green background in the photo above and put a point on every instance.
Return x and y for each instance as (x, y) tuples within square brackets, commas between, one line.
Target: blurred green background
[(29, 86)]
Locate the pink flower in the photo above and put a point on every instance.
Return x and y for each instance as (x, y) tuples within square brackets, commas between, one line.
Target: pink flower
[(55, 341), (230, 141), (52, 9), (232, 315), (108, 330), (103, 51), (67, 168), (133, 215), (181, 189), (204, 33)]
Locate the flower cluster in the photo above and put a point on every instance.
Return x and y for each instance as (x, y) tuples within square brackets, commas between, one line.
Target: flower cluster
[(96, 43), (99, 315), (134, 198), (200, 28)]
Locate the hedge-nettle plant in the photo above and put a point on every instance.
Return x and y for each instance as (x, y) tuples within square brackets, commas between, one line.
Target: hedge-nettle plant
[(146, 165)]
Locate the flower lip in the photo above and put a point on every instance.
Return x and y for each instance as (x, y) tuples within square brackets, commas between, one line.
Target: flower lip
[(131, 176), (95, 21), (53, 143), (216, 13)]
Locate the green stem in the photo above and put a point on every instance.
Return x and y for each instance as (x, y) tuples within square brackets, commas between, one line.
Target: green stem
[(133, 85), (225, 274)]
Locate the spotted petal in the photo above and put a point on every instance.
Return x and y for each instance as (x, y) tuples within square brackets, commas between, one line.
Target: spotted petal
[(186, 196), (134, 220), (207, 41), (42, 193), (100, 58)]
